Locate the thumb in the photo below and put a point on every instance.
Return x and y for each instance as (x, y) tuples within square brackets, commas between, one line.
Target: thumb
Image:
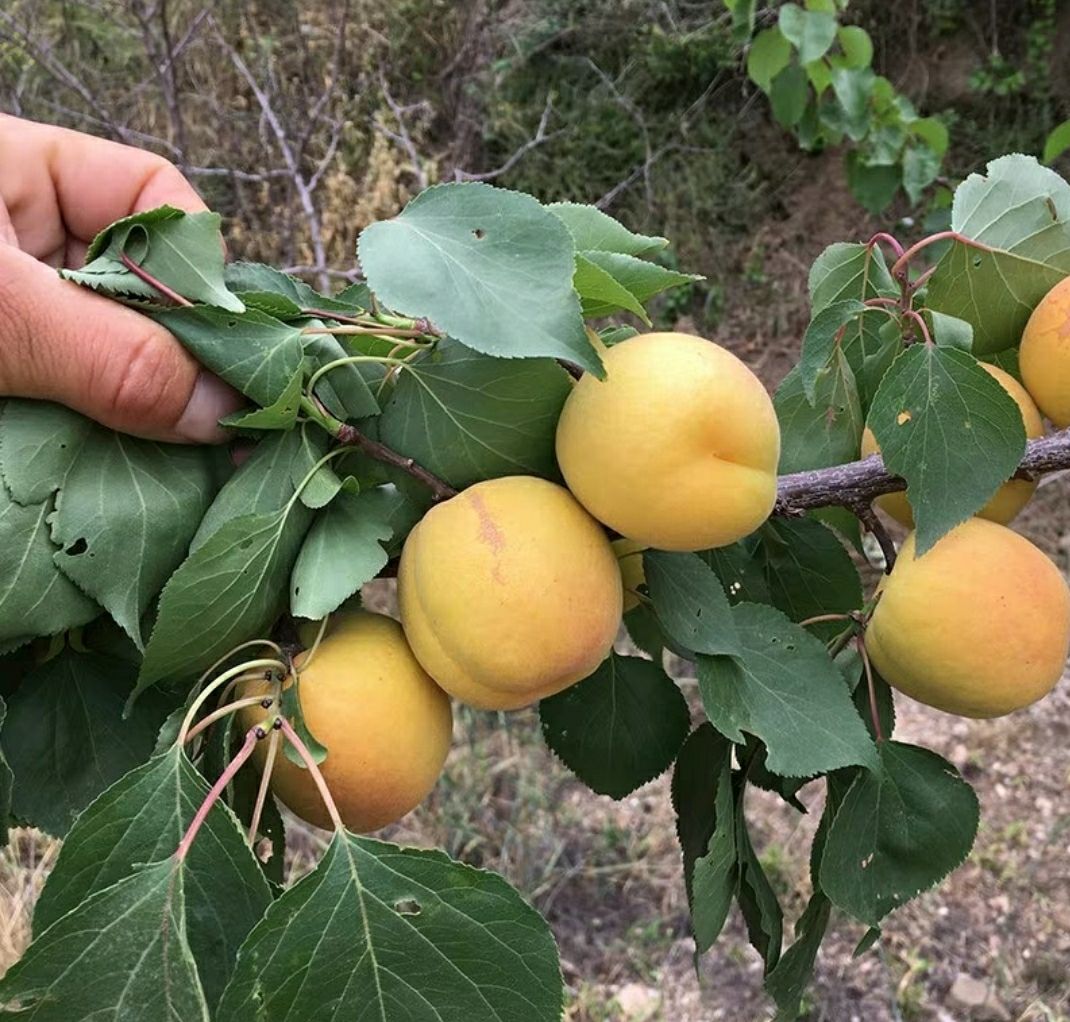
[(61, 342)]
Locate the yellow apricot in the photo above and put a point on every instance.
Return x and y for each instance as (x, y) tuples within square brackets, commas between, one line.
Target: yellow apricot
[(979, 625), (1044, 356), (385, 723), (1011, 497), (677, 448), (509, 592), (630, 558)]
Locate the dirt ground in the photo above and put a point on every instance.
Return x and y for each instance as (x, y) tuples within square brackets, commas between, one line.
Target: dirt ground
[(993, 943)]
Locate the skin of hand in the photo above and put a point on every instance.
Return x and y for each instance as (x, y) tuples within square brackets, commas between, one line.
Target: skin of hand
[(61, 342)]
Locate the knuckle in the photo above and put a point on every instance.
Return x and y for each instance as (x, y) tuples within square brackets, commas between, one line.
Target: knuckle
[(135, 383)]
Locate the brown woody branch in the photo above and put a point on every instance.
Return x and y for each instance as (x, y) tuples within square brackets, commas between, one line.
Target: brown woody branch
[(352, 436), (857, 483)]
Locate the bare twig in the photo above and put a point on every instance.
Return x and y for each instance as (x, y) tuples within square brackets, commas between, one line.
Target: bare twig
[(350, 435), (402, 136), (540, 137)]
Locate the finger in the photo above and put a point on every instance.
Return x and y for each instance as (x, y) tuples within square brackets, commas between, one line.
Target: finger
[(62, 187), (63, 343)]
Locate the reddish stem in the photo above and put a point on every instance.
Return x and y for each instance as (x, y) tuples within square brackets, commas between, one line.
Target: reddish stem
[(918, 318), (149, 279), (252, 736), (882, 301), (917, 283), (899, 267), (325, 792), (887, 239)]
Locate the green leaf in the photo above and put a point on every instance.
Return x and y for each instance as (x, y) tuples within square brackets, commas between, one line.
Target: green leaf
[(743, 15), (65, 737), (600, 293), (948, 428), (706, 826), (467, 417), (346, 389), (827, 432), (121, 954), (1020, 212), (757, 900), (1057, 142), (921, 166), (490, 267), (141, 819), (618, 728), (784, 689), (314, 481), (853, 88), (933, 132), (36, 598), (856, 45), (848, 270), (182, 250), (900, 830), (6, 782), (690, 602), (262, 484), (299, 299), (254, 352), (808, 571), (789, 94), (641, 279), (341, 552), (949, 331), (377, 930), (593, 230), (811, 32), (790, 977), (229, 590), (126, 507), (819, 341), (874, 186), (281, 414), (768, 55), (820, 75)]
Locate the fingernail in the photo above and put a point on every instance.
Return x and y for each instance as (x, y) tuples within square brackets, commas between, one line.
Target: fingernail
[(210, 401)]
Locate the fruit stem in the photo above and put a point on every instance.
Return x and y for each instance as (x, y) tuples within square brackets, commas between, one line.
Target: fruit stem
[(265, 784), (868, 517), (191, 715), (325, 793), (224, 711), (252, 736), (861, 647), (314, 648)]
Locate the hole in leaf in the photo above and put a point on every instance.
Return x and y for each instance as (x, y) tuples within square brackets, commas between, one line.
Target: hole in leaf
[(408, 907), (297, 590), (976, 262), (479, 233), (231, 324), (79, 546), (245, 544), (790, 647)]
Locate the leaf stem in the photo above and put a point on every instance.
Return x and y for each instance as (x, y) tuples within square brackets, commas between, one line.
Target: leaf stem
[(149, 279), (917, 317), (359, 330), (899, 267), (225, 711), (252, 736), (860, 645), (820, 618), (325, 793), (191, 715), (349, 360), (265, 784), (314, 648), (887, 239)]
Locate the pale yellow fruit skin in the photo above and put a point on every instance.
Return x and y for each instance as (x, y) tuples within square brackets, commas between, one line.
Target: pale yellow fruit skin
[(677, 448), (385, 723), (1044, 356), (978, 626), (1011, 497), (509, 592), (632, 576)]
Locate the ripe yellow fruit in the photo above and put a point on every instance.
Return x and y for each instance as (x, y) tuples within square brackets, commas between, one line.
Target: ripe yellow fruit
[(509, 592), (677, 448), (385, 723), (1011, 497), (632, 576), (1044, 356), (978, 626)]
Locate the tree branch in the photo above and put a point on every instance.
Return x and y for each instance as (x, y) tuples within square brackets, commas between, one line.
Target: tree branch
[(857, 483)]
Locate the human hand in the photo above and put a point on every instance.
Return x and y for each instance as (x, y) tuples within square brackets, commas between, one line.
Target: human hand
[(63, 343)]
